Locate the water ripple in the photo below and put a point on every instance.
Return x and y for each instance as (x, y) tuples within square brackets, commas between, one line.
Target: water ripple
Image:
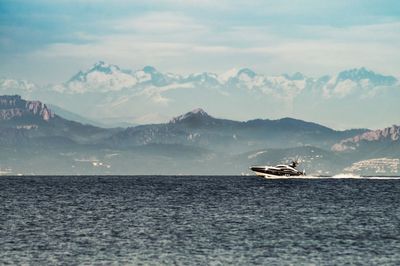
[(198, 220)]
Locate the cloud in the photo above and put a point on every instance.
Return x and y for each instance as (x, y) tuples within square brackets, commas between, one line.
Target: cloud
[(185, 39), (190, 50), (380, 32), (159, 23)]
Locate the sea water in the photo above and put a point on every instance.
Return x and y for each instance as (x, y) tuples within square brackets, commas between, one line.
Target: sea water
[(198, 220)]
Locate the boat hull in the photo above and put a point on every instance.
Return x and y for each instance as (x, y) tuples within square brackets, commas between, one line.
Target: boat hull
[(269, 176)]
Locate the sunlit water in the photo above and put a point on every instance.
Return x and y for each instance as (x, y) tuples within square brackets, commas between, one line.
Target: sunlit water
[(198, 220)]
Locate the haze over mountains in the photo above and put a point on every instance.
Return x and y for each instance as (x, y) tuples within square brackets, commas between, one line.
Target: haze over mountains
[(107, 94), (35, 140), (107, 120)]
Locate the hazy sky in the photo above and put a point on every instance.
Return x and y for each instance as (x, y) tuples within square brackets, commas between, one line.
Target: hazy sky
[(49, 40)]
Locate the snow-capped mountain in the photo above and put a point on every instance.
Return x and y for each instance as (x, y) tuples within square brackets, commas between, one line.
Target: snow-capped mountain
[(360, 81), (108, 91), (102, 77), (196, 114)]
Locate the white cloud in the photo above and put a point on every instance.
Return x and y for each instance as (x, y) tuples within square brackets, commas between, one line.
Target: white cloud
[(214, 49), (160, 23), (359, 33), (179, 43)]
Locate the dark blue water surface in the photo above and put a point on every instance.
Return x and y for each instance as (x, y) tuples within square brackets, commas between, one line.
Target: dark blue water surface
[(198, 220)]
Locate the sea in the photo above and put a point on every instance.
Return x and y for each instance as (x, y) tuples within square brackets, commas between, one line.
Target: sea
[(198, 220)]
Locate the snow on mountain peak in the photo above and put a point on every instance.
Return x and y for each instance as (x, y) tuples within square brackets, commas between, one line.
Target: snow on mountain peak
[(108, 77), (151, 75), (101, 77), (358, 74), (231, 73), (196, 113), (199, 111), (101, 66), (204, 78), (357, 81), (246, 71), (243, 75)]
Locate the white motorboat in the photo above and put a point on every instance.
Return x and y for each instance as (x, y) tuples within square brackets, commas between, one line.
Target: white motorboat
[(278, 171)]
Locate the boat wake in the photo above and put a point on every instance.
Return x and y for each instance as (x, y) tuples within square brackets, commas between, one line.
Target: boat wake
[(349, 176), (343, 176)]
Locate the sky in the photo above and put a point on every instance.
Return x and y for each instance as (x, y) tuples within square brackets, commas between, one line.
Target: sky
[(47, 41)]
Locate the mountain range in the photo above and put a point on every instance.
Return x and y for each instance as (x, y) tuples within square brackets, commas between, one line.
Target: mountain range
[(37, 140), (108, 94)]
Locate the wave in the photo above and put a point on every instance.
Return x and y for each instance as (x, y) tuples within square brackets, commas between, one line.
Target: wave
[(343, 175), (353, 176)]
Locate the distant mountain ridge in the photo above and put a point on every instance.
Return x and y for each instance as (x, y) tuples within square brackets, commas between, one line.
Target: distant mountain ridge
[(24, 122), (194, 127), (103, 74), (200, 129), (389, 134), (152, 96), (192, 143), (365, 74)]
